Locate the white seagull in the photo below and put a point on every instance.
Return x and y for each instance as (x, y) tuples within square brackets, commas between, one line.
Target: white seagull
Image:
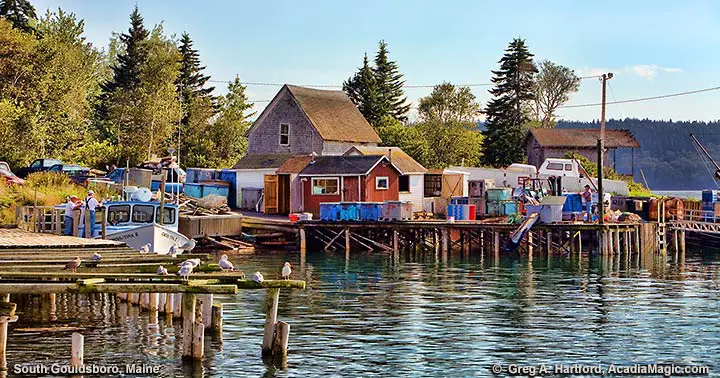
[(193, 262), (258, 277), (95, 257), (145, 248), (162, 271), (173, 250), (189, 246), (185, 270), (225, 264), (286, 271)]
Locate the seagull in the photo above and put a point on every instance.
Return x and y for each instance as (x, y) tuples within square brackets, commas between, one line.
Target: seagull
[(225, 264), (162, 271), (73, 264), (173, 250), (96, 257), (185, 270), (193, 262), (145, 248), (286, 271), (258, 277), (189, 246)]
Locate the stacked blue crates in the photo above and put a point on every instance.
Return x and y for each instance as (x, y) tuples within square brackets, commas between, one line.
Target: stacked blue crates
[(370, 211), (349, 211), (457, 212), (709, 198), (329, 211)]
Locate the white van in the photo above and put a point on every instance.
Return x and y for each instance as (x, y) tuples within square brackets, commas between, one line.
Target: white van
[(562, 167)]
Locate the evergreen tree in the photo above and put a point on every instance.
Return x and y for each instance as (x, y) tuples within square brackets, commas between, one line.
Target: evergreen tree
[(364, 93), (20, 13), (192, 81), (508, 112), (389, 85)]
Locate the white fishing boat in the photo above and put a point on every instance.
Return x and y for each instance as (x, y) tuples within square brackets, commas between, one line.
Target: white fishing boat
[(137, 223)]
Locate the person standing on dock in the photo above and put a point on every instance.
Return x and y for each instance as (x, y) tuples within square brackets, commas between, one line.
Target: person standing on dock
[(71, 205), (91, 204), (587, 198)]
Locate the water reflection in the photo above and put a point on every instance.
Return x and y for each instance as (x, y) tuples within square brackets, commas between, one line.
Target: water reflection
[(414, 314)]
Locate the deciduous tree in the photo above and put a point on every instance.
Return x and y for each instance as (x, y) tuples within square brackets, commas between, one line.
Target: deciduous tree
[(553, 85)]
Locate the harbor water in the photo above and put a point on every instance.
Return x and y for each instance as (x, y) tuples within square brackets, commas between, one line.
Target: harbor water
[(417, 317)]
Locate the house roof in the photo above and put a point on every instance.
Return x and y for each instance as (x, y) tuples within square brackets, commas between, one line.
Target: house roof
[(334, 116), (582, 138), (404, 163), (357, 165), (261, 161), (295, 164)]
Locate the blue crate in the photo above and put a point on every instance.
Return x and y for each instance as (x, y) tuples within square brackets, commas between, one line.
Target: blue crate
[(499, 194), (349, 211), (573, 203), (509, 208), (194, 190), (370, 211), (709, 196), (329, 211)]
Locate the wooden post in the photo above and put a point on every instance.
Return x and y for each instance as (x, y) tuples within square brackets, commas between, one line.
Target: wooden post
[(217, 316), (177, 305), (103, 223), (676, 241), (144, 301), (347, 243), (188, 319), (637, 239), (198, 341), (153, 299), (4, 331), (162, 297), (303, 241), (272, 296), (87, 224), (682, 241), (626, 236), (207, 304), (76, 222), (617, 242), (549, 242), (51, 299), (280, 343), (445, 241), (530, 245), (396, 247), (496, 244), (580, 243), (78, 349), (169, 305)]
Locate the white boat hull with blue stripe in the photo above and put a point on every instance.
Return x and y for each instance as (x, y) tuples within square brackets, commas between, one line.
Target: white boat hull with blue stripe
[(160, 238)]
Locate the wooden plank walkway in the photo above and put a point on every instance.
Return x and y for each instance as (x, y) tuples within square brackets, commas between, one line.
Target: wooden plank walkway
[(16, 238)]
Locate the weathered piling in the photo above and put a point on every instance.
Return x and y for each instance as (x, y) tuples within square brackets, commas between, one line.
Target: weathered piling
[(280, 344), (272, 297), (78, 350), (217, 318), (7, 315), (188, 326)]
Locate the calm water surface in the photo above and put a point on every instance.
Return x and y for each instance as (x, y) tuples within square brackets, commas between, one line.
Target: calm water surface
[(417, 317)]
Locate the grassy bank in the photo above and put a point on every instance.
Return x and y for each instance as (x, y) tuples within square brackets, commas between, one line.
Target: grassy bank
[(41, 189)]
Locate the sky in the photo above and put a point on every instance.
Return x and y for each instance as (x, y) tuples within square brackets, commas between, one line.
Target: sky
[(652, 47)]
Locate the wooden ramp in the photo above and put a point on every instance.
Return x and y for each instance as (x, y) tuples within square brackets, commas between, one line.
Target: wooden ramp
[(15, 238)]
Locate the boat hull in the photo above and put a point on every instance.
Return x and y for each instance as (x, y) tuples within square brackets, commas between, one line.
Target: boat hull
[(160, 238)]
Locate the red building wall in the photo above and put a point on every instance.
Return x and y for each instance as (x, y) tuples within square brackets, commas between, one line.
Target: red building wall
[(370, 194)]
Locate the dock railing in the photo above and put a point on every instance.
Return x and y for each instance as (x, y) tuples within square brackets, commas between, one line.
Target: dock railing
[(45, 219)]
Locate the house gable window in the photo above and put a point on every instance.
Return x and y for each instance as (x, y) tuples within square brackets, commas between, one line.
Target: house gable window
[(381, 183), (326, 186), (404, 184), (284, 134)]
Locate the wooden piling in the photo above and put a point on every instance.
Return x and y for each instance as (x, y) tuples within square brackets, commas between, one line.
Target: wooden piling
[(347, 243), (217, 316), (496, 245), (617, 242), (207, 303), (168, 308), (7, 314), (445, 241), (549, 242), (280, 343), (188, 319), (682, 242), (78, 349), (198, 341), (530, 245), (177, 305), (396, 246), (637, 239), (272, 297)]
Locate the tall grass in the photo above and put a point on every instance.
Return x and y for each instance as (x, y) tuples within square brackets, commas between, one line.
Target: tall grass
[(41, 189)]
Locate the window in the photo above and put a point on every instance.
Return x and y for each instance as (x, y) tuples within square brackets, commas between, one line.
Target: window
[(381, 183), (168, 217), (555, 166), (36, 164), (433, 185), (284, 134), (118, 214), (50, 162), (325, 186), (143, 213), (55, 168), (404, 183), (568, 167)]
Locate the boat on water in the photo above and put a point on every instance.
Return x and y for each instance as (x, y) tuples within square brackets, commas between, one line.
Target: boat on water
[(138, 223)]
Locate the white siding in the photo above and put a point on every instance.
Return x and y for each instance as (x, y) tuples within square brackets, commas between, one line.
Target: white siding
[(250, 178), (417, 186)]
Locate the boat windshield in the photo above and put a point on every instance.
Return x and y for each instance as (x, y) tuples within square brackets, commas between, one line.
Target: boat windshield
[(169, 216), (143, 213), (118, 214)]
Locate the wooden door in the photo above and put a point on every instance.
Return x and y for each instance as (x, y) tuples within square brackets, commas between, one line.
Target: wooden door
[(283, 194), (271, 194)]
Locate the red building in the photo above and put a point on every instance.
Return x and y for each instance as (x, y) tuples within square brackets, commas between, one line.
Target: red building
[(348, 179)]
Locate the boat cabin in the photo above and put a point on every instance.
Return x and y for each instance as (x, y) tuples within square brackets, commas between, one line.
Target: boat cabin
[(125, 215)]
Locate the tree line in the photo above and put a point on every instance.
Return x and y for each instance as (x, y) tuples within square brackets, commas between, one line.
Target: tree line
[(60, 96), (525, 94)]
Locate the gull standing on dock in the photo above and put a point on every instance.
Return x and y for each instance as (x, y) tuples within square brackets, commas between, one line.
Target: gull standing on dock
[(145, 248), (193, 262), (173, 250), (162, 271), (258, 277), (96, 257), (73, 264), (185, 270), (286, 271), (189, 246), (225, 264)]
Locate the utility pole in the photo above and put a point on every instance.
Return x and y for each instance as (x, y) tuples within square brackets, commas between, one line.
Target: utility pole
[(601, 148)]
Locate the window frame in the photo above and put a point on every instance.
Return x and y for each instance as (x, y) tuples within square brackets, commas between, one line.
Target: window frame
[(152, 217), (111, 210), (168, 210), (568, 167), (550, 165), (316, 179), (377, 183), (280, 133)]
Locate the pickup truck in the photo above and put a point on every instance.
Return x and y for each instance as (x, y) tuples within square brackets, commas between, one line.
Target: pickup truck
[(78, 174), (39, 165)]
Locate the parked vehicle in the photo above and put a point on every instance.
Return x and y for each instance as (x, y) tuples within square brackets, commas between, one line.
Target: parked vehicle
[(39, 165), (10, 178), (78, 174), (562, 167), (6, 166)]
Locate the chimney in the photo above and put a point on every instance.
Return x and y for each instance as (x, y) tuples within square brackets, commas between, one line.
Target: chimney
[(390, 155)]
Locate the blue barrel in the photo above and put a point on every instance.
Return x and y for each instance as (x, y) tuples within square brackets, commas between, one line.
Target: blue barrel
[(231, 178)]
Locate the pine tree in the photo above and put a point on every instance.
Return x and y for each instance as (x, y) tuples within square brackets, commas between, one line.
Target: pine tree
[(192, 81), (364, 93), (389, 85), (20, 13), (508, 112)]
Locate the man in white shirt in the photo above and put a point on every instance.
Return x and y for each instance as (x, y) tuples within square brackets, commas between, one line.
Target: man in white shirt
[(70, 206), (90, 205)]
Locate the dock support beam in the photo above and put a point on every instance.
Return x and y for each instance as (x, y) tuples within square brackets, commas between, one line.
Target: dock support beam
[(78, 350), (396, 247), (188, 328), (347, 243), (217, 316), (272, 297), (496, 245)]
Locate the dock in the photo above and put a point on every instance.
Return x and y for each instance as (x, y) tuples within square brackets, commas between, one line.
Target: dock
[(15, 238)]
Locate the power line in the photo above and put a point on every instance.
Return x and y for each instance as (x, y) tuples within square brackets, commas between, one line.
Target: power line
[(639, 99)]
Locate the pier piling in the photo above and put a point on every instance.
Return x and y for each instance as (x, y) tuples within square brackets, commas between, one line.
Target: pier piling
[(272, 297), (78, 350)]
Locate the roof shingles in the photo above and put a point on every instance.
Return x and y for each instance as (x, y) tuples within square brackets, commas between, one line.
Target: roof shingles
[(404, 163), (583, 138), (341, 165)]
